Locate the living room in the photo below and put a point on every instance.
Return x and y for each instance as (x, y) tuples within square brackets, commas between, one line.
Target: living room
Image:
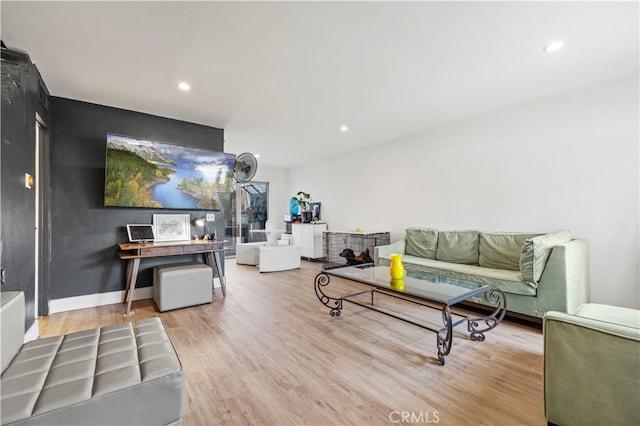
[(557, 148)]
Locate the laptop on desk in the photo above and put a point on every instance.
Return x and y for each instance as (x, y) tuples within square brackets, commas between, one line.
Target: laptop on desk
[(141, 233)]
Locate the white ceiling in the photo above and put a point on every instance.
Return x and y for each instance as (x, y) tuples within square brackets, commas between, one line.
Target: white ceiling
[(282, 77)]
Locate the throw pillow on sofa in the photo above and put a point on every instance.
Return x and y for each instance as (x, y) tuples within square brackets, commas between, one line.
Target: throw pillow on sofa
[(536, 252), (458, 247), (421, 242), (501, 250)]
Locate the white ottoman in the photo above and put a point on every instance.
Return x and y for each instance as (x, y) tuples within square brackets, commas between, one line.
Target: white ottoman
[(248, 253), (182, 285), (279, 258)]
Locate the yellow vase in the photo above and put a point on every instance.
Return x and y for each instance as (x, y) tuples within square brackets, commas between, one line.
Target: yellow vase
[(397, 268), (397, 284)]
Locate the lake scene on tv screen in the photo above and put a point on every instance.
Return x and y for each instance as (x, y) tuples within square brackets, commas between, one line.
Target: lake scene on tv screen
[(143, 173)]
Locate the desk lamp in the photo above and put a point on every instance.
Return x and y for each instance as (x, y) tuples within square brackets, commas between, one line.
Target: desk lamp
[(201, 222)]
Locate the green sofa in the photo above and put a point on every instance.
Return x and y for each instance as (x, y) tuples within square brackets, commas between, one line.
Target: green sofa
[(537, 272), (592, 366)]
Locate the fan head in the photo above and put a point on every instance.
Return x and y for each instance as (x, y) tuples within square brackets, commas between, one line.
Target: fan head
[(245, 167)]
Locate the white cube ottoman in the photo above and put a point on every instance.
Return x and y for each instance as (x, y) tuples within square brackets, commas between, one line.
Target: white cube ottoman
[(279, 258), (182, 285)]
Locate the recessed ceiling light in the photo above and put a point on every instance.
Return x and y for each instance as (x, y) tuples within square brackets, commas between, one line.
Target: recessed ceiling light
[(256, 155), (184, 86), (344, 128), (554, 46)]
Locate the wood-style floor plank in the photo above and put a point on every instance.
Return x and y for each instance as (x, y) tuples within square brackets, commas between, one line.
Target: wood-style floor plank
[(270, 354)]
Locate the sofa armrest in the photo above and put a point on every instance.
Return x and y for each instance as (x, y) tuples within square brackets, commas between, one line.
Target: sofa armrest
[(591, 370), (564, 284), (12, 325), (386, 250), (603, 325)]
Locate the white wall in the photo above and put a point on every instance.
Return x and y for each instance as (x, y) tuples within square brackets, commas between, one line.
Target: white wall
[(570, 162)]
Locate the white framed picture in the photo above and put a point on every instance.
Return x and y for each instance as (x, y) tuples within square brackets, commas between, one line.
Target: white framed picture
[(172, 227)]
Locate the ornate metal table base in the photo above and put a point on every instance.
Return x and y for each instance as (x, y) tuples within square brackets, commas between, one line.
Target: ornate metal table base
[(334, 304), (477, 327), (444, 335)]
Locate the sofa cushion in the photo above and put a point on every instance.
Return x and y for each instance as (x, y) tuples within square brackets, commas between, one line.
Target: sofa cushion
[(458, 247), (501, 250), (422, 242), (507, 281), (536, 252)]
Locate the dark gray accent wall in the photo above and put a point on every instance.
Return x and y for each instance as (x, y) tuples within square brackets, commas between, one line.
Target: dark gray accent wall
[(84, 233), (23, 95)]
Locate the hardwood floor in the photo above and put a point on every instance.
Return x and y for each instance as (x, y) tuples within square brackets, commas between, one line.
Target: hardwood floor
[(269, 353)]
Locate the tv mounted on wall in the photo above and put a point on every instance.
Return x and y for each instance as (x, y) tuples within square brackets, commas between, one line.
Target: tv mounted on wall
[(144, 173)]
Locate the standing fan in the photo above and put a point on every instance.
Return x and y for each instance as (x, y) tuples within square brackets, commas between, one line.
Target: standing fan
[(243, 171), (245, 168)]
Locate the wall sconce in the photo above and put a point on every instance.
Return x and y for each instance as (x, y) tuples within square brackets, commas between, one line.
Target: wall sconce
[(28, 181)]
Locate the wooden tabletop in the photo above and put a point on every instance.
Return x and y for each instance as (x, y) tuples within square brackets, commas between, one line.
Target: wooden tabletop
[(169, 248)]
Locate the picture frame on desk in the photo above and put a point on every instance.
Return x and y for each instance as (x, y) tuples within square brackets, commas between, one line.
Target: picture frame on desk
[(172, 227), (315, 211)]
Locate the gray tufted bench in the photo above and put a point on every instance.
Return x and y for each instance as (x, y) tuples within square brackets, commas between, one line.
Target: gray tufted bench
[(120, 374)]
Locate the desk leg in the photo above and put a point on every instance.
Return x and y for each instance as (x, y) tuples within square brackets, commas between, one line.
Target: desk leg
[(214, 260), (223, 280), (132, 276)]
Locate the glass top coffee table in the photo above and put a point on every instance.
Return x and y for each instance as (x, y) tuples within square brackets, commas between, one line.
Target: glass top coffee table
[(422, 288)]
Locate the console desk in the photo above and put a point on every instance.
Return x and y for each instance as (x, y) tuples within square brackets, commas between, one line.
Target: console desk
[(133, 252)]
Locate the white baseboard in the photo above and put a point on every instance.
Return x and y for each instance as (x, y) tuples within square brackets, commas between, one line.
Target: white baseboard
[(100, 299), (97, 299)]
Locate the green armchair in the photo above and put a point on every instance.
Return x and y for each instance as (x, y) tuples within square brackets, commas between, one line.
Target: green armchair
[(592, 366)]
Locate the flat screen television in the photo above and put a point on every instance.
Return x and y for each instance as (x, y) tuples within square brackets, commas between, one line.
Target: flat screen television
[(144, 173)]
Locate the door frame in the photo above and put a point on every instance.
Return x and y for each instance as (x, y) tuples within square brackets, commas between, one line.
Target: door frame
[(42, 193)]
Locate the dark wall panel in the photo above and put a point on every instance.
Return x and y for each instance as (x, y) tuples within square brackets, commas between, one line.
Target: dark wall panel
[(21, 84), (84, 233)]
